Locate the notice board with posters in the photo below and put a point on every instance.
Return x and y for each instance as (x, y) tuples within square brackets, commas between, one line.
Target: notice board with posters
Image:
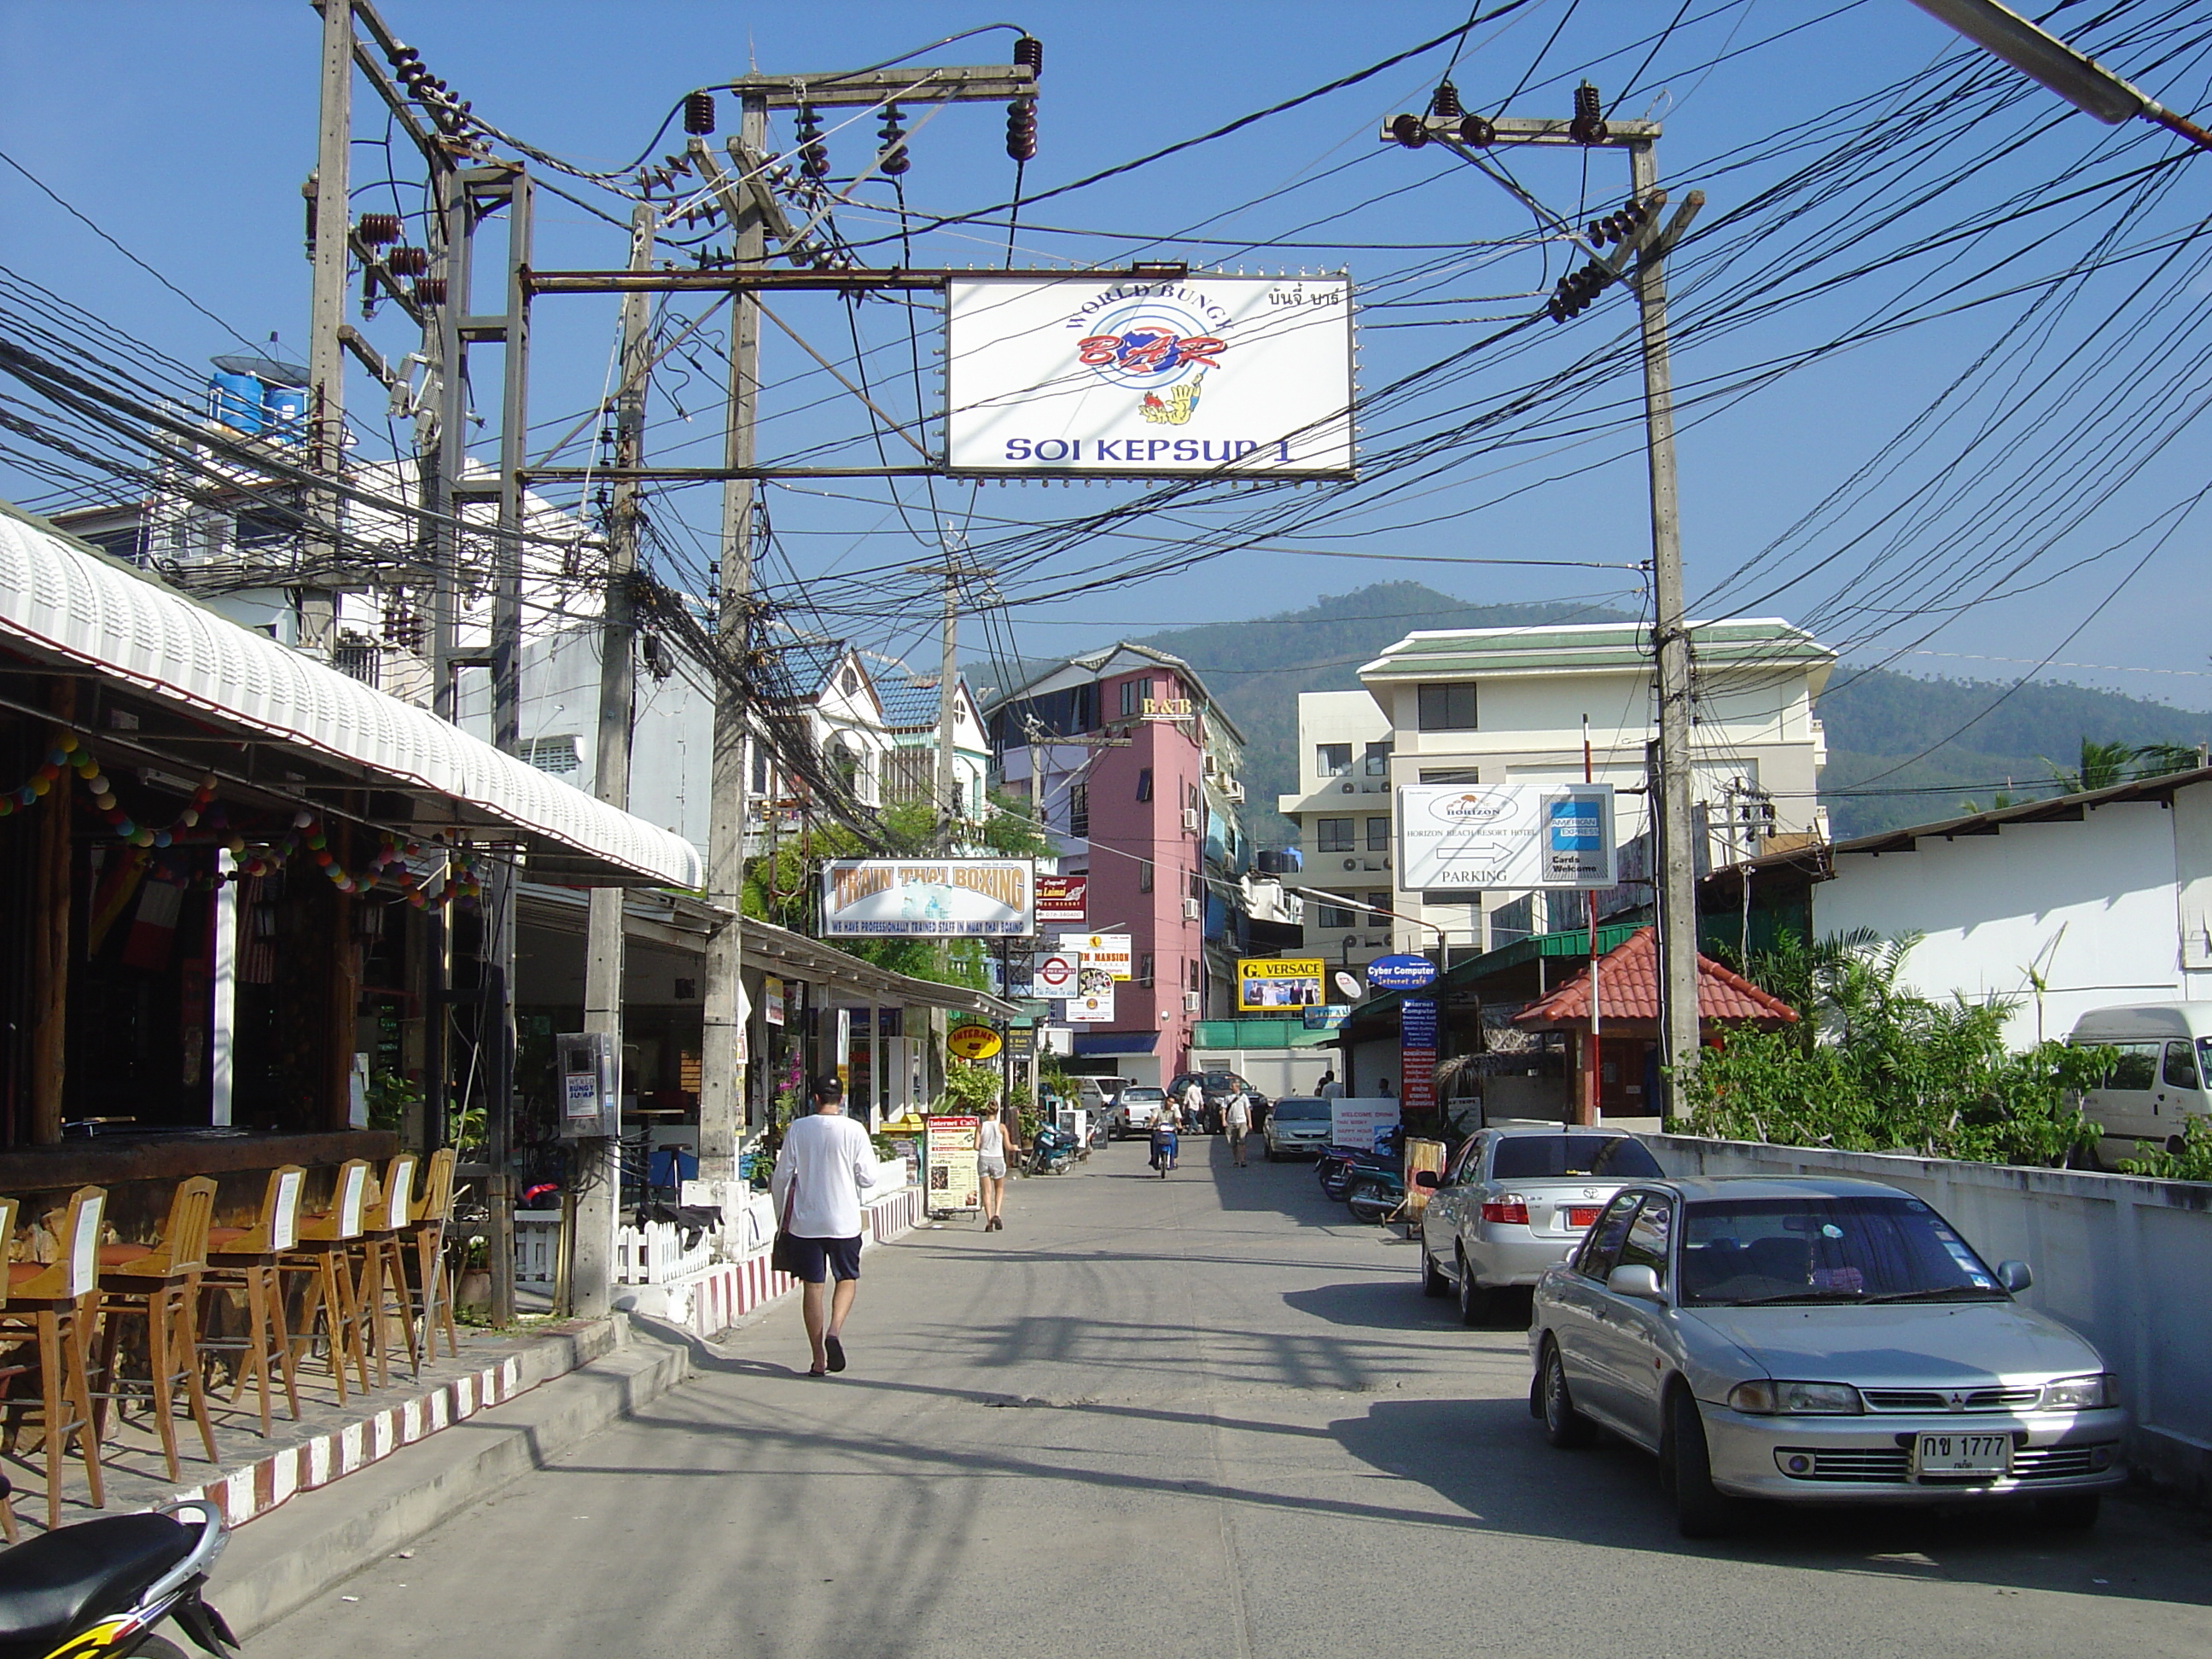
[(951, 1178)]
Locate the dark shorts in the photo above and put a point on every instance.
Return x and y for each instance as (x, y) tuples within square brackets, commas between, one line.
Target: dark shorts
[(817, 1259)]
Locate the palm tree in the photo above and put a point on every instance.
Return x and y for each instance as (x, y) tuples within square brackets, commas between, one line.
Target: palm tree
[(2102, 765)]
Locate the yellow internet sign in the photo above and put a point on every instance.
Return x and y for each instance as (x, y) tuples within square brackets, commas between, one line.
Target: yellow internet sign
[(974, 1041)]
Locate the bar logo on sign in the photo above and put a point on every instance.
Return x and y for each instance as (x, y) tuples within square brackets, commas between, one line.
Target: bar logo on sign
[(1063, 898)]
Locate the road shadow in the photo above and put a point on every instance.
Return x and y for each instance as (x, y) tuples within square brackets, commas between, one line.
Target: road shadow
[(1489, 1458)]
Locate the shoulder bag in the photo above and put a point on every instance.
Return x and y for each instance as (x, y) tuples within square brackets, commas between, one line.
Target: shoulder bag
[(783, 1255)]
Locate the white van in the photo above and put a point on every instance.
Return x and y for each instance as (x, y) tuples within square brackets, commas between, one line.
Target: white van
[(2157, 1084), (1098, 1094)]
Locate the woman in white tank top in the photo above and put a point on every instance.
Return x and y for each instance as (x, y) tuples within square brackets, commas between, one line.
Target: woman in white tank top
[(991, 1170)]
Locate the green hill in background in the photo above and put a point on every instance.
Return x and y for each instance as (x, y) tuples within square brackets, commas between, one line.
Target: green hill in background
[(1918, 741)]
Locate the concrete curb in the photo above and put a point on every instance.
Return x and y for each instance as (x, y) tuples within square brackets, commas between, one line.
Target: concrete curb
[(320, 1539)]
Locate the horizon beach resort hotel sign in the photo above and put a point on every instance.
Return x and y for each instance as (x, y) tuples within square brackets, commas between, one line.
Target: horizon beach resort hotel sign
[(928, 898), (1123, 377), (1505, 837)]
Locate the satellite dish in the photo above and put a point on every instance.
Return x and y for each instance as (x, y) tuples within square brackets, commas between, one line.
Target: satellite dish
[(263, 368), (1348, 987)]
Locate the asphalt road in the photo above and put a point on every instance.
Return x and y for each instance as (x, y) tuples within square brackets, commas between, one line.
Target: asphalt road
[(1205, 1416)]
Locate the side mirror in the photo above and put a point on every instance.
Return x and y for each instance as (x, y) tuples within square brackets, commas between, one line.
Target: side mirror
[(1428, 1178), (1635, 1280), (2015, 1276)]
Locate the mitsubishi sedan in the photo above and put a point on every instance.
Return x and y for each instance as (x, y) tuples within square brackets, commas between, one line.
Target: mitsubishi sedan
[(1516, 1200), (1817, 1341)]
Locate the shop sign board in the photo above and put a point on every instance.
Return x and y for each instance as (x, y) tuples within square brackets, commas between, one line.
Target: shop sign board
[(1021, 1043), (1188, 376), (949, 1173), (772, 999), (1401, 973), (1327, 1017), (928, 898), (1091, 1007), (1063, 898), (1266, 983), (1417, 1053), (1058, 1040), (974, 1041), (1054, 975), (1361, 1120), (1107, 951), (1505, 837)]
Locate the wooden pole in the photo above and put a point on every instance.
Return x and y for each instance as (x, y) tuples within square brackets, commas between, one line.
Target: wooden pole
[(50, 943), (344, 989)]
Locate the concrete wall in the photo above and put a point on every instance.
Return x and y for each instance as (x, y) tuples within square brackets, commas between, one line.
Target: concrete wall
[(2124, 1262), (2093, 906), (1273, 1072)]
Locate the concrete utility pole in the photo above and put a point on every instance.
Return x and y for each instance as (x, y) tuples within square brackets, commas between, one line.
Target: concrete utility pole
[(948, 708), (598, 1185), (1467, 135), (326, 318)]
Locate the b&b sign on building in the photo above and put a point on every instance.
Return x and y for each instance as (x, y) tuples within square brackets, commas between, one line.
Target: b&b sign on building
[(1505, 837), (1116, 377)]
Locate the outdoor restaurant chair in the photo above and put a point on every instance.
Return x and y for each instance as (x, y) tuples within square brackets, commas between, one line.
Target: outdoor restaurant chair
[(431, 1299), (318, 1256), (159, 1282), (52, 1304), (383, 1264), (242, 1262)]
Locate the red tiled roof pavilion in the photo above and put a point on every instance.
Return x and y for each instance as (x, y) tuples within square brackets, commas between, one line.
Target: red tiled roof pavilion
[(1628, 995)]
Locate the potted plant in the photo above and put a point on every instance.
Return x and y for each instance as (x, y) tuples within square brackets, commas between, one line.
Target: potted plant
[(474, 1288)]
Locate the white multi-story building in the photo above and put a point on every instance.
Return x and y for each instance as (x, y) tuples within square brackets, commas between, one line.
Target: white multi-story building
[(1514, 704)]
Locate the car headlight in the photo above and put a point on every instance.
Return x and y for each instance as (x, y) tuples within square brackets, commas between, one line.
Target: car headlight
[(1765, 1399), (2081, 1393)]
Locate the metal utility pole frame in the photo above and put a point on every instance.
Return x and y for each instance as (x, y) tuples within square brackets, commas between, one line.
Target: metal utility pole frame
[(948, 708), (598, 1183), (1672, 787)]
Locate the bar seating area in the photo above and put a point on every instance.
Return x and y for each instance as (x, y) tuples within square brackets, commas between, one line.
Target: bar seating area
[(164, 1353)]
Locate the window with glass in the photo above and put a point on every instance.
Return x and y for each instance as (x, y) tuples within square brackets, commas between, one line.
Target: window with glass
[(1333, 760), (2136, 1065), (1378, 835), (1376, 761), (1558, 1157), (2181, 1067), (1334, 834), (1447, 708), (1144, 877), (1078, 809), (1451, 775), (1596, 1258), (1144, 969), (1133, 694), (1335, 915), (1646, 1244), (1145, 784), (1742, 1252), (1378, 908)]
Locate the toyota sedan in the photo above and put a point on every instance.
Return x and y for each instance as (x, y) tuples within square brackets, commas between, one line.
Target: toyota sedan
[(1818, 1340)]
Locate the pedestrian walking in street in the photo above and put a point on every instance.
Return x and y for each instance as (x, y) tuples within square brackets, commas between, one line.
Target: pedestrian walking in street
[(1236, 1123), (1193, 1103), (1163, 1140), (1330, 1088), (991, 1170), (827, 1159)]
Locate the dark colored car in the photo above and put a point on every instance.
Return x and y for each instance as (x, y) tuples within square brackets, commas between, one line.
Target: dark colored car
[(1217, 1089)]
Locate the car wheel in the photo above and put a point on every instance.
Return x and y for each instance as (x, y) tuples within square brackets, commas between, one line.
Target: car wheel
[(1433, 1282), (1475, 1304), (2076, 1512), (1700, 1509), (1564, 1426)]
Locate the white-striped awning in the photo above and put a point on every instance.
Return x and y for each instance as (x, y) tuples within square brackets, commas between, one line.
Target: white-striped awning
[(62, 604)]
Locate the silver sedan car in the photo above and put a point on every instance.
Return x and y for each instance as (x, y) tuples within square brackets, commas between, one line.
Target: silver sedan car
[(1818, 1340), (1516, 1199)]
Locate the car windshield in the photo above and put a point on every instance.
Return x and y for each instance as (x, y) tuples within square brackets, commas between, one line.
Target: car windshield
[(1740, 1252), (1220, 1080), (1286, 1110), (1142, 1091), (1535, 1157)]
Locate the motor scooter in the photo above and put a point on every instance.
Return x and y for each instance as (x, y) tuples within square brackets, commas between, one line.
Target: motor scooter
[(102, 1587), (1052, 1152), (1163, 1148)]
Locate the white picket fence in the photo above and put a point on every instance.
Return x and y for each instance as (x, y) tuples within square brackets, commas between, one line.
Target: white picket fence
[(652, 1255)]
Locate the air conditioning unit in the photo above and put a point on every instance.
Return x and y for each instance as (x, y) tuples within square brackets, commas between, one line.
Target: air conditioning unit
[(1232, 789), (1353, 864), (1190, 820), (1190, 909), (1190, 1001)]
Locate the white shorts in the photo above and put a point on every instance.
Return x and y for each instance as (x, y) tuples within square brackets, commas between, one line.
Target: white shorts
[(1234, 1131), (991, 1169)]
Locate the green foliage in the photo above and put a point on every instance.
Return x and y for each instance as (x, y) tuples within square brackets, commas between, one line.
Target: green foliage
[(2192, 1163), (970, 1088), (390, 1097), (1878, 1068)]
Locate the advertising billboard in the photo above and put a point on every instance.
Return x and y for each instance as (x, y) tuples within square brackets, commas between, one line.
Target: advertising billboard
[(1505, 837), (1091, 1007), (1063, 898), (1271, 983), (928, 898), (1107, 951), (1170, 377)]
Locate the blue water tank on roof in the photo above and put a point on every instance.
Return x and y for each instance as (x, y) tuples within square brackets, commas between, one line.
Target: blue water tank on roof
[(235, 400), (285, 413)]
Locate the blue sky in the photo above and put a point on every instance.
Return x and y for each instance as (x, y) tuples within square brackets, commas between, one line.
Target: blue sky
[(185, 132)]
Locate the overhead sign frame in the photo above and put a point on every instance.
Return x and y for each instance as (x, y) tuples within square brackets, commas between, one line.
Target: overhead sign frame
[(1059, 374), (928, 898)]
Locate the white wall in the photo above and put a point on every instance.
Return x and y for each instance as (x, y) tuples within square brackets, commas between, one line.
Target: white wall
[(2092, 906), (2123, 1262)]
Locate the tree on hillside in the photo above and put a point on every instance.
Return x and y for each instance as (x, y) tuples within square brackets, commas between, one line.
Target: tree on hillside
[(2104, 765)]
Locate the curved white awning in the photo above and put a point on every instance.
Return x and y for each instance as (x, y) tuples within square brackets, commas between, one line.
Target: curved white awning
[(59, 600)]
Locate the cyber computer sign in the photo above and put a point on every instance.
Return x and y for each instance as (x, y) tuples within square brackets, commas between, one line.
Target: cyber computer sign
[(1184, 377)]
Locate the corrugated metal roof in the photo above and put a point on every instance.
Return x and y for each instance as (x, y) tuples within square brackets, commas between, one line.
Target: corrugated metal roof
[(1741, 642), (65, 601), (1628, 989)]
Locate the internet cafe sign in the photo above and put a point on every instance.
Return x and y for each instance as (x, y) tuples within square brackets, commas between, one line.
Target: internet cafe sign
[(928, 898), (1172, 376)]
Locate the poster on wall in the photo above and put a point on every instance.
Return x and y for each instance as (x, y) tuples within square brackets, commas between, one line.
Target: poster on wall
[(772, 999), (949, 1181), (928, 898), (1271, 983), (1179, 375), (1107, 951), (1091, 1007)]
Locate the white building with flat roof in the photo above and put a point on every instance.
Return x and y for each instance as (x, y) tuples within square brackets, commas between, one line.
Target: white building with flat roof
[(1342, 809)]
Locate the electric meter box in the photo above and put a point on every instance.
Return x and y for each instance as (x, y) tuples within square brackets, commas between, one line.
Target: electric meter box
[(591, 1092)]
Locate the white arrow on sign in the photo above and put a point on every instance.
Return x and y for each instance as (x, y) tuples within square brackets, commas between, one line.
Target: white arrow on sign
[(1055, 976)]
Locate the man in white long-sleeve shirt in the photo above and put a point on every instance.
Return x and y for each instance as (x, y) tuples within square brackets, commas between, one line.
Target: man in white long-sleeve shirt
[(825, 1162)]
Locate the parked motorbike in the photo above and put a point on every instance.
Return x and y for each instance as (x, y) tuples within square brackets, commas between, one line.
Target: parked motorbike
[(1335, 1166), (103, 1587), (1374, 1195), (1051, 1151)]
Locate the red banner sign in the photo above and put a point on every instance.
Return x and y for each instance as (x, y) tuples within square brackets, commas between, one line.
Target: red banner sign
[(1063, 898)]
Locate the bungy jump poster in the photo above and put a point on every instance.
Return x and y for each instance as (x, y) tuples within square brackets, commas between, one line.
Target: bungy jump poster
[(951, 1178)]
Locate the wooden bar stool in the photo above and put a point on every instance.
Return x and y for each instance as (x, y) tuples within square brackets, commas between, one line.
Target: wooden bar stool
[(432, 1298), (53, 1305), (242, 1261), (383, 1264), (160, 1282), (319, 1255)]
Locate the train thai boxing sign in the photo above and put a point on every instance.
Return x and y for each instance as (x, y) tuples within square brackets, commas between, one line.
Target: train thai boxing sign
[(1179, 376), (928, 898)]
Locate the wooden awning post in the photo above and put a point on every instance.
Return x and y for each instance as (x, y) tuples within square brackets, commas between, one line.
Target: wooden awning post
[(49, 942)]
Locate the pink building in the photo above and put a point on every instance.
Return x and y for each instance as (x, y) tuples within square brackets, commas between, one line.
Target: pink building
[(1133, 770)]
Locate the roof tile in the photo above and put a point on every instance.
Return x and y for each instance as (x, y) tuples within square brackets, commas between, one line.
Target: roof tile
[(1628, 988)]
